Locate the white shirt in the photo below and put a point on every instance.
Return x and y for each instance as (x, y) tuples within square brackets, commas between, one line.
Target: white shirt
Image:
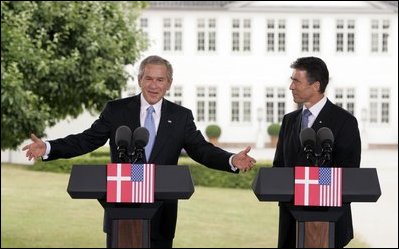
[(315, 110), (156, 114)]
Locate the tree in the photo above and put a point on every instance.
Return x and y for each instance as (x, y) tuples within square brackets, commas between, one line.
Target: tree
[(60, 58)]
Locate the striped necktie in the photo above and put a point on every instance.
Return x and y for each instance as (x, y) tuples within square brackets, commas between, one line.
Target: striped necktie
[(305, 119)]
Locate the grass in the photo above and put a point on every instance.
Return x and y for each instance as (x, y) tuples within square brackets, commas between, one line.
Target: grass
[(38, 212)]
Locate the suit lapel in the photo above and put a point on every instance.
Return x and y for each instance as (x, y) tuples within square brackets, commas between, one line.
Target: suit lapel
[(323, 119), (133, 113)]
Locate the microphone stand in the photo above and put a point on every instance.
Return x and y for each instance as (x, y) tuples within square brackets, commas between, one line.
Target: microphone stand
[(309, 154), (122, 155), (325, 154), (137, 155)]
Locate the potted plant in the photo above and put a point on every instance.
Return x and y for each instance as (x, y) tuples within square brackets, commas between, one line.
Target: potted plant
[(213, 132), (273, 130)]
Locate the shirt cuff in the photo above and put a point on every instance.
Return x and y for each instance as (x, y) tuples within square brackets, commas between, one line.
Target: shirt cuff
[(231, 164), (48, 148)]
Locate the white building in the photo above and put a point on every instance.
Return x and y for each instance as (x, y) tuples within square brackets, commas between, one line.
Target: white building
[(232, 61)]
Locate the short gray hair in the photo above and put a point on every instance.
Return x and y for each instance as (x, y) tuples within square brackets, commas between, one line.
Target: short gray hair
[(156, 60)]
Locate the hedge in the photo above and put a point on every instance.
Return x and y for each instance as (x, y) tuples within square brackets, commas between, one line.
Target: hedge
[(201, 175)]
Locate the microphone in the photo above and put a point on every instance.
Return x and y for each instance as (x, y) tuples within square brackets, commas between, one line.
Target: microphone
[(123, 138), (140, 140), (140, 137), (308, 142), (325, 138)]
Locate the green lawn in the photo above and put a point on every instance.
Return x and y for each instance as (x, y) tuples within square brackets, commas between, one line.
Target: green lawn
[(38, 212)]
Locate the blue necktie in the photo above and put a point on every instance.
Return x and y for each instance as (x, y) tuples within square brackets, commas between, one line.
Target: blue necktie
[(150, 125), (305, 119)]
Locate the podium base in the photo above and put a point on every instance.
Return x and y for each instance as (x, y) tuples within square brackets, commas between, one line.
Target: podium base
[(130, 233), (315, 234)]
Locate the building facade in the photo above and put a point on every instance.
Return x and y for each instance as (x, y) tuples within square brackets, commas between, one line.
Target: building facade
[(232, 59)]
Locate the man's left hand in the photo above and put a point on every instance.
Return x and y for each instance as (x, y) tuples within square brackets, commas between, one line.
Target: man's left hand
[(242, 161)]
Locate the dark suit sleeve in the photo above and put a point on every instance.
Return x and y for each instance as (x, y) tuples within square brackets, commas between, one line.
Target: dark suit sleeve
[(347, 146), (202, 151), (82, 143), (279, 154)]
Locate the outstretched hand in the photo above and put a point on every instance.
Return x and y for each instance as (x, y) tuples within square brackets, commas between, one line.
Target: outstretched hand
[(35, 149), (242, 161)]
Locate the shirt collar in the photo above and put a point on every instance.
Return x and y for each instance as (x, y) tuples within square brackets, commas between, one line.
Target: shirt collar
[(316, 108), (144, 105)]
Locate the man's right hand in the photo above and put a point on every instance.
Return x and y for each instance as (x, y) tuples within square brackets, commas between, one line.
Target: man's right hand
[(36, 149)]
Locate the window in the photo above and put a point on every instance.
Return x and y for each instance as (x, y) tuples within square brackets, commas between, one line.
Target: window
[(241, 104), (275, 29), (172, 34), (345, 98), (380, 30), (206, 104), (144, 27), (345, 36), (175, 94), (310, 35), (241, 35), (379, 105), (206, 34), (275, 104)]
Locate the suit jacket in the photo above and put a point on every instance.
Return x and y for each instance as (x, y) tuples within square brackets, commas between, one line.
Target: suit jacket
[(346, 153), (176, 131)]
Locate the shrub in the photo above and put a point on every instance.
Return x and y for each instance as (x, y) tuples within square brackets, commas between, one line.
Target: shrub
[(273, 129), (203, 176), (213, 131)]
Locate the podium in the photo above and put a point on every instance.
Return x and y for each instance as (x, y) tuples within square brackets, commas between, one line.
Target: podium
[(130, 222), (316, 225)]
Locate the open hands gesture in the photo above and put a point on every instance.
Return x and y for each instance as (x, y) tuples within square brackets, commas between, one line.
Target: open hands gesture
[(243, 161), (35, 149)]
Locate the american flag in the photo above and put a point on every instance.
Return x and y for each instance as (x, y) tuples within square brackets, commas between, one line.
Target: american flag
[(318, 186), (130, 183)]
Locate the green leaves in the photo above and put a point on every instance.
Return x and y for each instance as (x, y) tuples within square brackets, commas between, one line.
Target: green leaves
[(59, 58)]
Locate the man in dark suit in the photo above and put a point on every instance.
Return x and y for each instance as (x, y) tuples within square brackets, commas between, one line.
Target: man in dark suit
[(309, 81), (174, 130)]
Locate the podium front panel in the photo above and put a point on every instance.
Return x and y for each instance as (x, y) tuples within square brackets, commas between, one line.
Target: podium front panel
[(171, 182)]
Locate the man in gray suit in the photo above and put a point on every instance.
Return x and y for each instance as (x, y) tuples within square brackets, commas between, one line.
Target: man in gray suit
[(309, 81), (174, 130)]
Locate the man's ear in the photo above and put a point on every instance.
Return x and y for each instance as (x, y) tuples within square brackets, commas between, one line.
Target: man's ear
[(316, 86), (170, 84)]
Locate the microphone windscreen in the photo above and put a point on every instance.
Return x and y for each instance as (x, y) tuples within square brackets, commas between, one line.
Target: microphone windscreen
[(308, 137), (324, 135), (140, 137), (123, 136)]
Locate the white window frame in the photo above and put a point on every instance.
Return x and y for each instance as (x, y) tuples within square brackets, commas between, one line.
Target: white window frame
[(241, 35), (276, 28), (208, 98), (311, 28), (241, 106), (276, 98), (173, 28), (345, 98), (346, 28)]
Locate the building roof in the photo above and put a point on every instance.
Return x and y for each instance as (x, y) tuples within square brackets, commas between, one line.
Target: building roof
[(282, 6), (188, 4)]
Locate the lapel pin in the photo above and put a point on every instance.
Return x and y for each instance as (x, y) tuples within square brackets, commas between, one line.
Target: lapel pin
[(320, 122), (169, 121)]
